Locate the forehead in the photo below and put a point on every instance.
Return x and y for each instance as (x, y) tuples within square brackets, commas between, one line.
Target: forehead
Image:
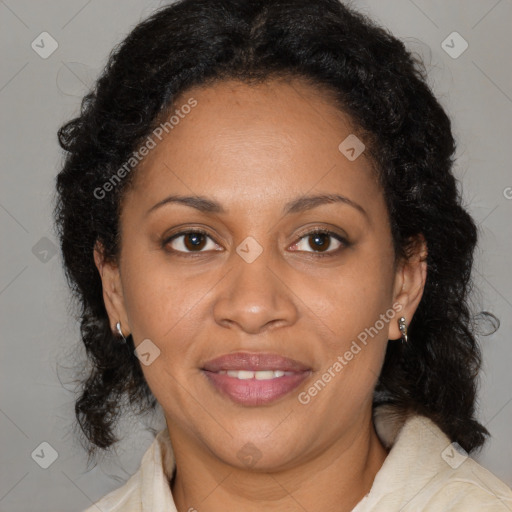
[(240, 142)]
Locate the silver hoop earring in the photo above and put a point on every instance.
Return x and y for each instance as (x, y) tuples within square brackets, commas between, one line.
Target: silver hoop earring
[(118, 328), (403, 328)]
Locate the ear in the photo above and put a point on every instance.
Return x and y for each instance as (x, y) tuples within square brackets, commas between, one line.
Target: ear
[(409, 283), (112, 290)]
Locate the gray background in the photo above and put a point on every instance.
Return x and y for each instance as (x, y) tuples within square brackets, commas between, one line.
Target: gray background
[(39, 332)]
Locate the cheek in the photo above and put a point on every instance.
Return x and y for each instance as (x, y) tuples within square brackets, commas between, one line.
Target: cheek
[(159, 301), (351, 298), (167, 308)]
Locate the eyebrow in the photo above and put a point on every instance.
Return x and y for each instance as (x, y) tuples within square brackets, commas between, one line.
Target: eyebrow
[(309, 202), (301, 204), (198, 202)]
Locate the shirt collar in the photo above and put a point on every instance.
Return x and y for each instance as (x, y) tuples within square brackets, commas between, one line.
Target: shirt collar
[(157, 468)]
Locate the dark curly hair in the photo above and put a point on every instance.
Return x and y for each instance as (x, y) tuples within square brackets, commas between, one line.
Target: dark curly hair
[(368, 74)]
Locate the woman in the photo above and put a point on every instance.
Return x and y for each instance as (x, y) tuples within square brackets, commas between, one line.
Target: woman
[(258, 214)]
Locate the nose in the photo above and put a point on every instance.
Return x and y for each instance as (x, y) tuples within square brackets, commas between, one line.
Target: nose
[(254, 297)]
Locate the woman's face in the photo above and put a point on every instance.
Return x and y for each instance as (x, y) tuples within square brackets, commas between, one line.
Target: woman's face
[(259, 161)]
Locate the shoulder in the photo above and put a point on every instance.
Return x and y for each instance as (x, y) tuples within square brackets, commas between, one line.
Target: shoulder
[(425, 471), (126, 498), (466, 488), (148, 489)]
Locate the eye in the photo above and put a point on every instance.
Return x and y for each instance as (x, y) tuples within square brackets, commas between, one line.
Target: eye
[(190, 241), (320, 241), (316, 241)]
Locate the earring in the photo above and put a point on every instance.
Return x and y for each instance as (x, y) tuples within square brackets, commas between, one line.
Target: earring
[(118, 328), (403, 328)]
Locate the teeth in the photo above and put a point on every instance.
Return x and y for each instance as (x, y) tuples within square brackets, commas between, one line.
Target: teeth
[(259, 375), (242, 374), (265, 375)]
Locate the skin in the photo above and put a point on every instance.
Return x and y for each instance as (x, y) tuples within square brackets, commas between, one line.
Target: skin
[(252, 149)]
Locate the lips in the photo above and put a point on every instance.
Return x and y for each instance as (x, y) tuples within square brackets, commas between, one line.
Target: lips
[(255, 379), (254, 362)]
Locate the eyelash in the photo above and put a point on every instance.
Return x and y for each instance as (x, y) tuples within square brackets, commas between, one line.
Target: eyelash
[(315, 231)]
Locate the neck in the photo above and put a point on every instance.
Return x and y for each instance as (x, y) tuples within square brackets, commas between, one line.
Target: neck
[(336, 478)]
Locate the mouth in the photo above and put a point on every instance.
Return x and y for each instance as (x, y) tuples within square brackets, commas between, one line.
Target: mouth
[(253, 379)]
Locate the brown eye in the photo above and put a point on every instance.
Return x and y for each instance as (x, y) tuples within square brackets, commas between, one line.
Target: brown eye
[(191, 241), (320, 242), (194, 241)]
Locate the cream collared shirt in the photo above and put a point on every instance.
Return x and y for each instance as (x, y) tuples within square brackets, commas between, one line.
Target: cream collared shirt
[(422, 472)]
